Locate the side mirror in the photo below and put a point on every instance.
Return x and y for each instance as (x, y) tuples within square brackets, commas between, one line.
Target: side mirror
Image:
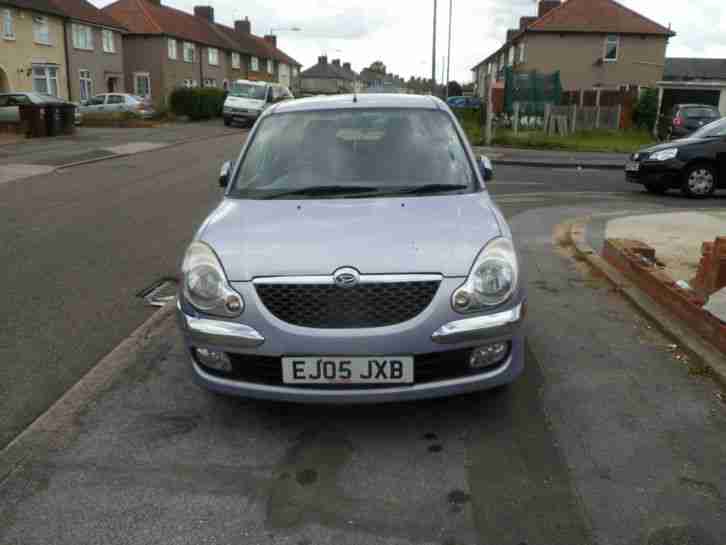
[(224, 173), (485, 167)]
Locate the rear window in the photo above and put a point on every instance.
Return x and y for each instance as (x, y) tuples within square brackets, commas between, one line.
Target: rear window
[(700, 112), (380, 149)]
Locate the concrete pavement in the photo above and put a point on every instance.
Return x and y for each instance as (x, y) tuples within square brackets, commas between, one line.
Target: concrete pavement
[(503, 156)]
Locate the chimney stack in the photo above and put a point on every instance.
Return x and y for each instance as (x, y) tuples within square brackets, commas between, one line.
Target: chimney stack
[(336, 62), (346, 67), (243, 27), (271, 39), (323, 59), (546, 6), (205, 12)]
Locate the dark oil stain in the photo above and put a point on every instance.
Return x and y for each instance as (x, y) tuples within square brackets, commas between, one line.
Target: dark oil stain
[(430, 436), (458, 497), (436, 448), (704, 488), (307, 477)]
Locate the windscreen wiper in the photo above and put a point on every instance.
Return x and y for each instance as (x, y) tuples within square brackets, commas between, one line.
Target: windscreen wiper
[(427, 189), (321, 191)]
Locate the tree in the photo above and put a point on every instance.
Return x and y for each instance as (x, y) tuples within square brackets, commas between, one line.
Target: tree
[(378, 67), (646, 109), (455, 89)]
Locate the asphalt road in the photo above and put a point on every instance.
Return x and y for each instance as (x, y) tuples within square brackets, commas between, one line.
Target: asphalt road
[(607, 438)]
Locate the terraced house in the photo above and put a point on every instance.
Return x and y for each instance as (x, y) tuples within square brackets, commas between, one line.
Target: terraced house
[(166, 48), (592, 43), (32, 47)]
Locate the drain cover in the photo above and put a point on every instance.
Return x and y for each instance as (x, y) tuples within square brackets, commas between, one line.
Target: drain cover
[(160, 292)]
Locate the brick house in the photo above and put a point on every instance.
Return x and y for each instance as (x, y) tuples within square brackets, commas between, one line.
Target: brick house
[(165, 48), (95, 50), (592, 43)]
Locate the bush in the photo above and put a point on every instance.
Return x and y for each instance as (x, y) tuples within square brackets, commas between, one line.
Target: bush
[(646, 109), (197, 103)]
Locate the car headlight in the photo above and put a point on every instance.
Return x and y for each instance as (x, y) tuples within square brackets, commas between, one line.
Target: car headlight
[(205, 283), (664, 155), (492, 280)]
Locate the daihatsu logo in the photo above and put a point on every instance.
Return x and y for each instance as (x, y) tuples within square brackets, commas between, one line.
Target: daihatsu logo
[(346, 278)]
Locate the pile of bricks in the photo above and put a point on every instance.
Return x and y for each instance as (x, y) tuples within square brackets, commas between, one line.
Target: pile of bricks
[(637, 261), (711, 275)]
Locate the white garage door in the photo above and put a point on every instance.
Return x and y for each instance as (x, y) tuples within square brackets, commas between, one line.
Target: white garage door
[(285, 74)]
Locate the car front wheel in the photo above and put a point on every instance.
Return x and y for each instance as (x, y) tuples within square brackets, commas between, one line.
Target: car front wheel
[(699, 181)]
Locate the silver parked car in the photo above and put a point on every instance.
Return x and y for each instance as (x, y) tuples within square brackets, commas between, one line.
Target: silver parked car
[(118, 102), (10, 105), (356, 257)]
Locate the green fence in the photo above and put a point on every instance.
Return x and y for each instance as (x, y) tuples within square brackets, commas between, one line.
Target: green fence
[(532, 90)]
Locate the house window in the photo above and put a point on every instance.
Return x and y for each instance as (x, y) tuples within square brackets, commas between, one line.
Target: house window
[(86, 84), (521, 52), (45, 79), (142, 84), (294, 71), (235, 60), (8, 25), (41, 30), (82, 37), (254, 64), (213, 56), (109, 44), (171, 48), (612, 44), (209, 82), (188, 52), (270, 67), (510, 56)]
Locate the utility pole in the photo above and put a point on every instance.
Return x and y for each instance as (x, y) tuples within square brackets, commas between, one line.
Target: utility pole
[(433, 57), (448, 56)]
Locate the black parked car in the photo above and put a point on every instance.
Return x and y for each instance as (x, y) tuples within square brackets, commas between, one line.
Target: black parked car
[(684, 119), (696, 165)]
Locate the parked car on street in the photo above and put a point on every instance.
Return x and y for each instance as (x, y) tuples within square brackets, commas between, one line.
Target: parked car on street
[(696, 165), (10, 105), (464, 102), (246, 100), (684, 119), (356, 257), (118, 102)]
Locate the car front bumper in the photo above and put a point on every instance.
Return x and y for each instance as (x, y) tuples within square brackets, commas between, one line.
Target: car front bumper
[(247, 115), (438, 331), (660, 173)]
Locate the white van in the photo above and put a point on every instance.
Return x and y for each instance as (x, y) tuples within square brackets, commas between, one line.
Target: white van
[(246, 100)]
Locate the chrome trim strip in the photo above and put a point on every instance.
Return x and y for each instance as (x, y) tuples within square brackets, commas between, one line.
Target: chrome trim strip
[(364, 279), (478, 327), (218, 332)]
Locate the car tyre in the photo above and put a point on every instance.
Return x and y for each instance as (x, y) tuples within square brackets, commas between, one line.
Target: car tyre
[(655, 189), (699, 181)]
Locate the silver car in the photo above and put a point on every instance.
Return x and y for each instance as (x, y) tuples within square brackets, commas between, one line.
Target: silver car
[(118, 102), (356, 257)]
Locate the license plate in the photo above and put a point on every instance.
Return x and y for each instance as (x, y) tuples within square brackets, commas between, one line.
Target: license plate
[(352, 370), (632, 166)]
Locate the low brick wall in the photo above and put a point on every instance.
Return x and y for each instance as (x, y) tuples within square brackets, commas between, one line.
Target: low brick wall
[(637, 261), (711, 275)]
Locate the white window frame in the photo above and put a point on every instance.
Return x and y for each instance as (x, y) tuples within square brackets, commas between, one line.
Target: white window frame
[(209, 82), (8, 24), (82, 37), (617, 47), (187, 84), (47, 68), (510, 56), (213, 56), (137, 76), (41, 30), (255, 64), (109, 41), (171, 49), (188, 46), (84, 76), (521, 56), (236, 60), (270, 66)]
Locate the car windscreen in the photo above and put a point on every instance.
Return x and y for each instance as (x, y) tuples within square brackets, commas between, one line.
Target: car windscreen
[(712, 130), (372, 150), (700, 113), (246, 90)]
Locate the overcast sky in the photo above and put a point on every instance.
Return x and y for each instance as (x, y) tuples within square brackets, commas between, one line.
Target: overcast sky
[(399, 32)]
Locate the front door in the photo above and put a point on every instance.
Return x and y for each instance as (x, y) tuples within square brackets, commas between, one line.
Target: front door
[(112, 84)]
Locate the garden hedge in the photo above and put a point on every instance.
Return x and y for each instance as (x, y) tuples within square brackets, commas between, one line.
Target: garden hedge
[(197, 103)]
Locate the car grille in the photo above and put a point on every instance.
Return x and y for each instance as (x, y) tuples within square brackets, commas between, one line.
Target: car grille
[(327, 306), (428, 368)]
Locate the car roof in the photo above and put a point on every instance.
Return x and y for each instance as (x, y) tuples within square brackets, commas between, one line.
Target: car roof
[(361, 101)]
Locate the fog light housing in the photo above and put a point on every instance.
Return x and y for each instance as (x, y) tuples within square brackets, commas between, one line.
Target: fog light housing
[(213, 359), (488, 355)]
